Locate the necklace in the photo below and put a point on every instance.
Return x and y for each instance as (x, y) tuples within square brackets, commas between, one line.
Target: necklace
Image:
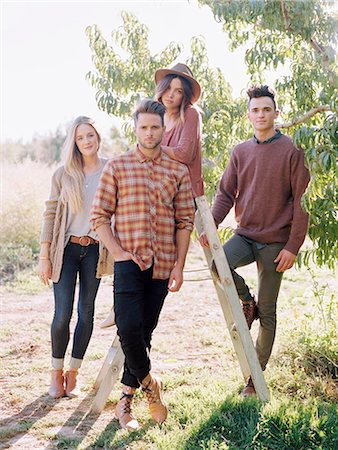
[(89, 177)]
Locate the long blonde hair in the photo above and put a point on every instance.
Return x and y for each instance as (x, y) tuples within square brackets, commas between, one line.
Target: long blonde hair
[(73, 166)]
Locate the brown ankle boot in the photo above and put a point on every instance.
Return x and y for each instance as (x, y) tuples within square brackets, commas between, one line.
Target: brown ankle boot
[(123, 410), (56, 389), (152, 386), (249, 389), (250, 311), (72, 389)]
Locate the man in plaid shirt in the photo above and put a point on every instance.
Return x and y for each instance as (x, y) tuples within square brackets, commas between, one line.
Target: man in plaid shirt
[(150, 197)]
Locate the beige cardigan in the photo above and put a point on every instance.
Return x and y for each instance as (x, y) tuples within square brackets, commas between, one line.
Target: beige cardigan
[(54, 230)]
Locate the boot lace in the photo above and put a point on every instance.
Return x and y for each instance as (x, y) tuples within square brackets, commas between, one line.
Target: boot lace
[(126, 406), (150, 393)]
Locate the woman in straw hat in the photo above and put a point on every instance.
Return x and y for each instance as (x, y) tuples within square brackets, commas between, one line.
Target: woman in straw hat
[(177, 89), (70, 248)]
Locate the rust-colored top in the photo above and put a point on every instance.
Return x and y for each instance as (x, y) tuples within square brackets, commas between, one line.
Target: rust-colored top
[(185, 140)]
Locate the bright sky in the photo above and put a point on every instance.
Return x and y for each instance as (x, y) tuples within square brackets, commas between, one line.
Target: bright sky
[(45, 56)]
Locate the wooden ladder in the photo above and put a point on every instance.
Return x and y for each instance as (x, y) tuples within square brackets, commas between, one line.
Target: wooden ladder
[(231, 307), (229, 300)]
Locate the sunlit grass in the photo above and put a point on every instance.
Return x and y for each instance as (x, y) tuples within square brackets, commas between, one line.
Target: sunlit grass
[(192, 353)]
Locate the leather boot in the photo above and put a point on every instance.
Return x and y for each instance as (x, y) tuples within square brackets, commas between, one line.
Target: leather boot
[(250, 311), (72, 390), (56, 389), (249, 389), (109, 321), (123, 411), (151, 387)]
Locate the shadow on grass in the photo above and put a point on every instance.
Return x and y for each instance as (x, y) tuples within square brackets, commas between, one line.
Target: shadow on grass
[(76, 427), (245, 424), (72, 432), (106, 438), (232, 426), (12, 427)]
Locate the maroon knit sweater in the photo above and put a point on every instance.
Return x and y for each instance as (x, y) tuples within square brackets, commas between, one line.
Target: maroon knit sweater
[(265, 182)]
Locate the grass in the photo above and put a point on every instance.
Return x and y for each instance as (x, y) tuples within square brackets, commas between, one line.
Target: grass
[(202, 381), (191, 351)]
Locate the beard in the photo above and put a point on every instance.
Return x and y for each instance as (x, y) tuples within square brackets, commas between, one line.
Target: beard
[(149, 145)]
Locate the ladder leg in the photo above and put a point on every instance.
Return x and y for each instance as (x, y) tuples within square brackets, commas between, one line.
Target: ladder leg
[(230, 303), (107, 376)]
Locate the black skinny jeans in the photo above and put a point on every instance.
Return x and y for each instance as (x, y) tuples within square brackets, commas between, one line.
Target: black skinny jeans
[(83, 261), (138, 300)]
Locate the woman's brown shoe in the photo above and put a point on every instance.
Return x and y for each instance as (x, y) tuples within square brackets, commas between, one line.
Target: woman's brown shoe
[(151, 387), (72, 389), (123, 410), (57, 389)]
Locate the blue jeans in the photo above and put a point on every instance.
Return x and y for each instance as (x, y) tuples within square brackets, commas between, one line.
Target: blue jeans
[(83, 261), (138, 300)]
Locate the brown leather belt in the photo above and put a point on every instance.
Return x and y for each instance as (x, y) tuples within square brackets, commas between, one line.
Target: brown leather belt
[(84, 241)]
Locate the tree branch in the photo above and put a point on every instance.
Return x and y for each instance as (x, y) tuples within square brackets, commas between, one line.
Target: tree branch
[(286, 16), (304, 118), (318, 48)]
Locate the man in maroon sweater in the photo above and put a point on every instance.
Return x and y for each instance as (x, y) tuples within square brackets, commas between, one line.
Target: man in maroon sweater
[(264, 180)]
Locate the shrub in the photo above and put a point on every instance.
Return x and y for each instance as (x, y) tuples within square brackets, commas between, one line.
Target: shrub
[(26, 187), (311, 349)]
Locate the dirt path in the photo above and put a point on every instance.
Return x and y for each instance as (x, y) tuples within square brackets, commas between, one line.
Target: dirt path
[(190, 341), (191, 333)]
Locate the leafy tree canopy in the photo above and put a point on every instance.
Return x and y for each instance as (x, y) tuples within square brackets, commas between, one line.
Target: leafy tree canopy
[(299, 35)]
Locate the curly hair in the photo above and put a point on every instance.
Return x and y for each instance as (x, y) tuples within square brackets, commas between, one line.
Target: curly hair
[(261, 90)]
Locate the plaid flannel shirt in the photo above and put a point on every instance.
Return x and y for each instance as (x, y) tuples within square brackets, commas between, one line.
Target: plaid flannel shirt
[(150, 199)]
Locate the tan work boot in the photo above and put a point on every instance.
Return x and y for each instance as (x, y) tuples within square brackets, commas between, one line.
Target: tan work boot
[(57, 389), (72, 389), (152, 386), (123, 410)]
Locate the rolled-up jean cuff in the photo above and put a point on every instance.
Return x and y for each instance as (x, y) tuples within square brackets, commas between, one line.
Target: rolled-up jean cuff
[(134, 380)]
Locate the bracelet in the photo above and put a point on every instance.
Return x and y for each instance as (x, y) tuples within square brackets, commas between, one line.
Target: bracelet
[(44, 257)]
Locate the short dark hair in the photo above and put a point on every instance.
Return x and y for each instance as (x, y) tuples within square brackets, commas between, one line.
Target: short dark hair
[(149, 106), (261, 90)]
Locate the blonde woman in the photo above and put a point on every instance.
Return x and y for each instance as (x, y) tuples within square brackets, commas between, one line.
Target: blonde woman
[(69, 248)]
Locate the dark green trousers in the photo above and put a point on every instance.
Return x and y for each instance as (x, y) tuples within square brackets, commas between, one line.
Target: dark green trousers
[(240, 252)]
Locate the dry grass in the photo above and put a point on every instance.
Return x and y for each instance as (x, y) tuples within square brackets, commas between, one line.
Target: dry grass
[(191, 351)]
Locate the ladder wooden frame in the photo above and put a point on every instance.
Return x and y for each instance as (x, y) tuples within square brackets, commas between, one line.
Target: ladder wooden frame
[(229, 300), (231, 307)]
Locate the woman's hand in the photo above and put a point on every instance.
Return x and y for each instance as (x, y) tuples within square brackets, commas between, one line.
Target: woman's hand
[(44, 271)]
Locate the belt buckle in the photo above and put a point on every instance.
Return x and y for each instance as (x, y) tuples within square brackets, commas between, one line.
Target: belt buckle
[(86, 239)]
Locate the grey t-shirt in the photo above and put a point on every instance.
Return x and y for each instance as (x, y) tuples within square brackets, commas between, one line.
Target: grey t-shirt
[(78, 223)]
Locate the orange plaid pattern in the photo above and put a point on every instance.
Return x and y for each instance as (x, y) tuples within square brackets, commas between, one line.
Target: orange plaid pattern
[(150, 199)]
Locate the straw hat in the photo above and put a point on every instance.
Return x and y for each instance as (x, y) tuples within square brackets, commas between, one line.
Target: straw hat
[(183, 71)]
